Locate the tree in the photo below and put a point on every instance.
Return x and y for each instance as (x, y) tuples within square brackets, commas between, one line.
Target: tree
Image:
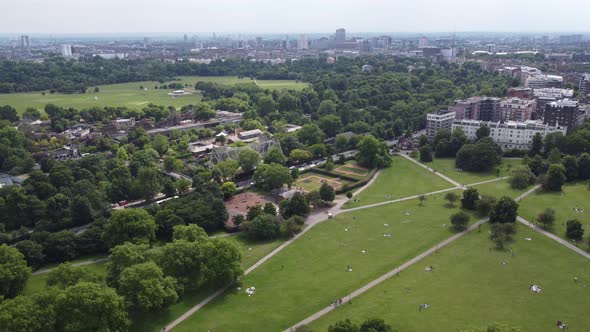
[(122, 257), (481, 132), (554, 156), (327, 192), (129, 225), (61, 176), (226, 170), (470, 196), (521, 177), (275, 155), (160, 143), (248, 160), (228, 189), (263, 227), (265, 106), (314, 198), (77, 309), (555, 177), (501, 234), (504, 211), (570, 163), (145, 288), (272, 176), (422, 199), (203, 112), (452, 198), (372, 153), (425, 154), (375, 325), (546, 218), (310, 134), (459, 221), (480, 156), (223, 261), (343, 326), (81, 210), (14, 271), (330, 124), (32, 251), (270, 208), (8, 113), (536, 145), (66, 275), (254, 211), (148, 183), (297, 205), (484, 205), (190, 233), (537, 165), (183, 261), (299, 155), (584, 166), (574, 230), (30, 313)]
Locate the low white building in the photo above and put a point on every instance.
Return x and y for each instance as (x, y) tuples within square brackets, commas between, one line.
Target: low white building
[(510, 134)]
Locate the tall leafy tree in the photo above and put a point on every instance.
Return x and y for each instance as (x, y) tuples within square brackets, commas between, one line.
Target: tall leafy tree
[(504, 211), (129, 225), (14, 271), (145, 288)]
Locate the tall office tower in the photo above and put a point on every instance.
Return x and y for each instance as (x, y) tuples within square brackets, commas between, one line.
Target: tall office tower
[(66, 50), (340, 35), (563, 112), (585, 84), (302, 43), (25, 42), (423, 42)]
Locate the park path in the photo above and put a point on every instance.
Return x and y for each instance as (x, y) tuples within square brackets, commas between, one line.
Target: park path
[(448, 179), (389, 274), (487, 181), (402, 267), (88, 262), (553, 237), (312, 220)]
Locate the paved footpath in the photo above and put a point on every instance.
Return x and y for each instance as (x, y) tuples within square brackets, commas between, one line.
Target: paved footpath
[(88, 262), (400, 268), (553, 237), (388, 274), (312, 220), (448, 179)]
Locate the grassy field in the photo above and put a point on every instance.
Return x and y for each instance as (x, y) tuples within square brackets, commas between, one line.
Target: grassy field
[(402, 179), (471, 287), (351, 169), (313, 181), (130, 95), (498, 189), (311, 272), (447, 167), (574, 196)]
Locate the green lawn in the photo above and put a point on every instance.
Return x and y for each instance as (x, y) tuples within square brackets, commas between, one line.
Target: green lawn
[(314, 267), (575, 196), (129, 94), (498, 189), (447, 167), (470, 287), (313, 181), (402, 179)]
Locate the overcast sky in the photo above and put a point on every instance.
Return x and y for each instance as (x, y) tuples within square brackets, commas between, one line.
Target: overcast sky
[(295, 16)]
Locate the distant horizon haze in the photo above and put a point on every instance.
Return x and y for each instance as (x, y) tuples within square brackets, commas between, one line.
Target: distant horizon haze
[(225, 17)]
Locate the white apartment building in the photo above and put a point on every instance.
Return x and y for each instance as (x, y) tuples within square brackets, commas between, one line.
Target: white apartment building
[(436, 121), (511, 134)]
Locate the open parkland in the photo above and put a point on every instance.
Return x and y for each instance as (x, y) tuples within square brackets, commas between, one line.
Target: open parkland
[(385, 253)]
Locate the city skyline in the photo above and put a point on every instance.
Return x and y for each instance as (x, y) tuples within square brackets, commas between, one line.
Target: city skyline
[(304, 16)]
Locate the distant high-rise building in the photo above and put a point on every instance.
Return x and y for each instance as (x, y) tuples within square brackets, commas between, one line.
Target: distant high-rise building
[(185, 39), (423, 42), (66, 50), (340, 35), (25, 42), (585, 84), (146, 42), (439, 120), (563, 112), (570, 39), (302, 43)]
